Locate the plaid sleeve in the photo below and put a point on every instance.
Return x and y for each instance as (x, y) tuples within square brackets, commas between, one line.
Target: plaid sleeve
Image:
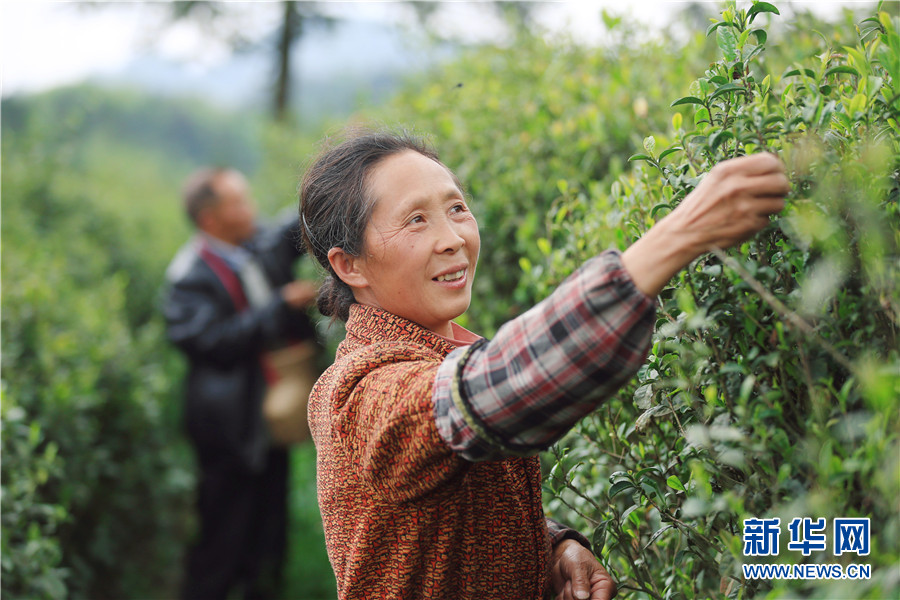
[(546, 369)]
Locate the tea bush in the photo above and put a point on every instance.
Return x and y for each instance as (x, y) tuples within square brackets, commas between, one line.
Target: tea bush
[(772, 388), (97, 479), (96, 482)]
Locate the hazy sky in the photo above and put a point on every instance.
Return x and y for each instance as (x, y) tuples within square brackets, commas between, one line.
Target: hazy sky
[(46, 44)]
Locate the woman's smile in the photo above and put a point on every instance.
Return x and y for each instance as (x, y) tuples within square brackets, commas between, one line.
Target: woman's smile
[(456, 276)]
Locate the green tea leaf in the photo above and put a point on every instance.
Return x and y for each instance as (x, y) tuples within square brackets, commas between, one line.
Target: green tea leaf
[(754, 50), (718, 138), (658, 533), (759, 8), (727, 88), (715, 26), (675, 483), (525, 264), (599, 536), (619, 487), (688, 100), (842, 69), (544, 246), (671, 150), (796, 72), (727, 42), (857, 104)]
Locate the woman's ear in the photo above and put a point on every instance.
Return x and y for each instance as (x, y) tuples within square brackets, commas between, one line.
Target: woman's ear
[(346, 266)]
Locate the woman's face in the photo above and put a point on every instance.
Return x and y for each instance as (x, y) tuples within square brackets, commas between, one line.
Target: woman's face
[(421, 244)]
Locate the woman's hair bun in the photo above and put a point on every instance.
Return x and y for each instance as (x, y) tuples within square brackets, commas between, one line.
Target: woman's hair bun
[(335, 298)]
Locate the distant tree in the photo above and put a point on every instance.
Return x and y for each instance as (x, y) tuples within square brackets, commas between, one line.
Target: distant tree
[(295, 16), (217, 20)]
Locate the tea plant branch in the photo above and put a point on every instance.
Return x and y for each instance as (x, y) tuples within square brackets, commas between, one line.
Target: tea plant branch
[(642, 569), (578, 512), (779, 307), (807, 375), (640, 588), (602, 450), (676, 520), (677, 420), (569, 484)]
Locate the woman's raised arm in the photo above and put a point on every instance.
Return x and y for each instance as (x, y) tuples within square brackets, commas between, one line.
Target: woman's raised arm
[(546, 369)]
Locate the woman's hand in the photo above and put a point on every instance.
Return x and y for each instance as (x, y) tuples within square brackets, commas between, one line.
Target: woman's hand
[(575, 574), (731, 204)]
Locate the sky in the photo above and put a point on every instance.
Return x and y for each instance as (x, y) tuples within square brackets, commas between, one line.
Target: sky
[(47, 44)]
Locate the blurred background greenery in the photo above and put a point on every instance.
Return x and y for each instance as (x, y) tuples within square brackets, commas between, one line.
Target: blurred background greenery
[(539, 125)]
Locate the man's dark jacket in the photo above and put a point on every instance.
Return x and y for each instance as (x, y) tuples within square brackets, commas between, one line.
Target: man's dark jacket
[(225, 382)]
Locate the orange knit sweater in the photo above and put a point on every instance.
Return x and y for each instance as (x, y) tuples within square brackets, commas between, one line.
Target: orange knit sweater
[(404, 516)]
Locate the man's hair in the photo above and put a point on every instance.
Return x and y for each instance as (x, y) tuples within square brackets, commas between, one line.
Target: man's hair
[(199, 191)]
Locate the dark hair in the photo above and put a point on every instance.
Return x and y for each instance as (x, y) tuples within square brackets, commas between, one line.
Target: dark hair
[(199, 191), (335, 204)]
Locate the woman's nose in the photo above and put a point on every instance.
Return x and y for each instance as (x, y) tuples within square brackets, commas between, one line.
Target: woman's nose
[(449, 238)]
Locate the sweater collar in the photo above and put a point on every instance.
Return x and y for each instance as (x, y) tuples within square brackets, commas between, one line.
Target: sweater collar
[(368, 324)]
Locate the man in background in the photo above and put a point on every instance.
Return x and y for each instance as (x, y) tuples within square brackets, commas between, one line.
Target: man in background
[(231, 297)]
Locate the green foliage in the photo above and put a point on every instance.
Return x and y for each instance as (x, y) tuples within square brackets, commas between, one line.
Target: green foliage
[(97, 479), (517, 123), (772, 385), (106, 148), (95, 484), (308, 573), (181, 129), (772, 388)]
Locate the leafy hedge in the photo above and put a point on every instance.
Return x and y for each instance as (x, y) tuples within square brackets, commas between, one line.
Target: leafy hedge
[(96, 481), (773, 385)]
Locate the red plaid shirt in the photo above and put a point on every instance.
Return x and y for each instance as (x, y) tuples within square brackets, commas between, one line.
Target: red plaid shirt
[(520, 392)]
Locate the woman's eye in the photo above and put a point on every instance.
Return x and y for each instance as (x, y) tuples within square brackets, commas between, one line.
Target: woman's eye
[(458, 208), (417, 219)]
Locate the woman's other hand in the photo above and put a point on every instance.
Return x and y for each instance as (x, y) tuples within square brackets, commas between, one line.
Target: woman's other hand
[(575, 574), (732, 203)]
